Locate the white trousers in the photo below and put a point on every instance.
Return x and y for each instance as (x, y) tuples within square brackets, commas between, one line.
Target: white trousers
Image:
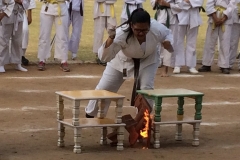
[(61, 41), (100, 24), (235, 34), (113, 79), (77, 21), (25, 34), (210, 44), (186, 57), (16, 46)]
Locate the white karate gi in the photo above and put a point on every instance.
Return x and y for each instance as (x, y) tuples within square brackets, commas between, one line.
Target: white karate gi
[(119, 56), (56, 14), (25, 26), (12, 27), (224, 36), (76, 19), (189, 21), (130, 6), (104, 17), (235, 34), (162, 16)]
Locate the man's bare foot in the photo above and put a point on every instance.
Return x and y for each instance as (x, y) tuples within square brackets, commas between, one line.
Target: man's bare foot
[(164, 75)]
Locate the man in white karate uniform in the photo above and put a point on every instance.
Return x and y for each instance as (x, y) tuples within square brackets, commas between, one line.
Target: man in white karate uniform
[(12, 27), (189, 22), (27, 20), (128, 7), (53, 12), (76, 8), (219, 25), (104, 18)]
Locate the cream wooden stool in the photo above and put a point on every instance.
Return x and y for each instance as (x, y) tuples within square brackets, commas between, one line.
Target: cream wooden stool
[(78, 123)]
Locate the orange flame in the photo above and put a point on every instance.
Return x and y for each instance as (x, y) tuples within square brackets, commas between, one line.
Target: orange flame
[(144, 132)]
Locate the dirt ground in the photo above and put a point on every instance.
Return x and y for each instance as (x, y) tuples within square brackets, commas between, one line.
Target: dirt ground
[(29, 127)]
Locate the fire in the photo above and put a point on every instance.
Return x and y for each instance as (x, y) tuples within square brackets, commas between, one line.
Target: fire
[(144, 131)]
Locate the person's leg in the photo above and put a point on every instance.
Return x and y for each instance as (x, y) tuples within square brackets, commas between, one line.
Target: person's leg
[(77, 21), (111, 81), (25, 36), (235, 34)]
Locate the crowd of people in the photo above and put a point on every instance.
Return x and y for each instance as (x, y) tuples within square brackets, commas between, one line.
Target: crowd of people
[(181, 17)]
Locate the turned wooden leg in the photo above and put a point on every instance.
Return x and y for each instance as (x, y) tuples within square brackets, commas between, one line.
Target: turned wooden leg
[(118, 110), (103, 140), (120, 138), (156, 135), (101, 109), (75, 111), (196, 132), (158, 109), (178, 135), (198, 108), (77, 140), (60, 116)]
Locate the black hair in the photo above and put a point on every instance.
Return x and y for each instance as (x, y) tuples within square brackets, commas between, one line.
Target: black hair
[(139, 15)]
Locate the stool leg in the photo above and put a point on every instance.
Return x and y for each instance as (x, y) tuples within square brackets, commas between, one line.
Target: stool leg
[(178, 135), (77, 140), (156, 136), (103, 140), (118, 111), (196, 132), (101, 109), (120, 138), (61, 134)]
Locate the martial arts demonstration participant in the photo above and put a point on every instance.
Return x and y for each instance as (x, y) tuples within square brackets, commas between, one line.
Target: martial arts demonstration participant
[(166, 13), (128, 7), (27, 20), (76, 20), (53, 11), (12, 25), (134, 43), (235, 35), (104, 17), (189, 22), (219, 25)]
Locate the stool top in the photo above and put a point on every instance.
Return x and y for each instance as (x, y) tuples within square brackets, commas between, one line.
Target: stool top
[(89, 94), (170, 92)]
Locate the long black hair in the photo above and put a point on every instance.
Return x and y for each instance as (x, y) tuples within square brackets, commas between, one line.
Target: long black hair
[(139, 15)]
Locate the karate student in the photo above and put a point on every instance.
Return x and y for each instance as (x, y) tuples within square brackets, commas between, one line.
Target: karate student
[(134, 42), (53, 12), (128, 7), (189, 22), (27, 20), (76, 8), (166, 13), (219, 25), (12, 25), (104, 16)]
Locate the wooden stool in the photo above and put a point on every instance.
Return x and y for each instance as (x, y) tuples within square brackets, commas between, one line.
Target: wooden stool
[(78, 123), (158, 94)]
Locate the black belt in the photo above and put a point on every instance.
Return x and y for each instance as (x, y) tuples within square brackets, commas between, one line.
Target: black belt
[(136, 85)]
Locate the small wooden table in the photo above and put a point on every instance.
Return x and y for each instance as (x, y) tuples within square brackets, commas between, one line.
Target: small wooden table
[(158, 94), (78, 123)]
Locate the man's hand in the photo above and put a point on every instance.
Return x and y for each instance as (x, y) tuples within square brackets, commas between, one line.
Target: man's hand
[(29, 16), (223, 20), (112, 32), (167, 45), (2, 15), (29, 20), (163, 3), (217, 21), (187, 1)]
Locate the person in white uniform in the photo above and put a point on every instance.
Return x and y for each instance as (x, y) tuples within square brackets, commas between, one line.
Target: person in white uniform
[(12, 27), (189, 22), (128, 7), (104, 17), (53, 12), (235, 35), (219, 25), (136, 43), (27, 20), (76, 8), (166, 13)]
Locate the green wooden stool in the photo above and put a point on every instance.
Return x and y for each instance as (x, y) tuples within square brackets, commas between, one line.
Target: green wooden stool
[(158, 94)]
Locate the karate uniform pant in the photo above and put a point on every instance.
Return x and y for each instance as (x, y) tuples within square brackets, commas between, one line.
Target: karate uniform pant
[(235, 34), (13, 56), (100, 24), (25, 34), (61, 39), (186, 57), (77, 22), (210, 44), (111, 81)]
